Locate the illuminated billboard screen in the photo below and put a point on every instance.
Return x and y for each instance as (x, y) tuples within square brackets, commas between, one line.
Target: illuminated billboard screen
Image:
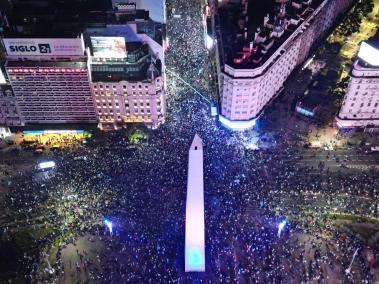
[(369, 54), (44, 46), (108, 47)]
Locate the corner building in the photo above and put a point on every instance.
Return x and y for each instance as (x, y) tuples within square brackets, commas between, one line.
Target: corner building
[(360, 107), (257, 59), (122, 101), (127, 82)]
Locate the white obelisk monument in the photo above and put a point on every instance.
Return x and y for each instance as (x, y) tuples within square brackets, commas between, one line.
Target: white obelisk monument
[(195, 234)]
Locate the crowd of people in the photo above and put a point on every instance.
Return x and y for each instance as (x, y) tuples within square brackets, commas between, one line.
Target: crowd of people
[(141, 189)]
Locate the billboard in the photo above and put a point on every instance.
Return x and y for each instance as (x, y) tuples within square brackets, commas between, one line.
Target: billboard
[(44, 46), (369, 54), (108, 47)]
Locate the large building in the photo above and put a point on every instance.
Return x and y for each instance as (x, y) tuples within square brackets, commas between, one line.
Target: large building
[(257, 57), (110, 76), (360, 107), (50, 81), (126, 72)]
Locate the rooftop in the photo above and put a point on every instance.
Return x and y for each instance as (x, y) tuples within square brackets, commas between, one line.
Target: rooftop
[(135, 51), (128, 32), (64, 18), (124, 72), (250, 35), (136, 67), (368, 54)]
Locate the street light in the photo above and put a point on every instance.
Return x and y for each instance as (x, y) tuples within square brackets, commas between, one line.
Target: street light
[(348, 270), (281, 227), (109, 225)]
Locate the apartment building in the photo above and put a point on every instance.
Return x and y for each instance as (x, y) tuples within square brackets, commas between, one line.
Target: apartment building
[(258, 57), (360, 107)]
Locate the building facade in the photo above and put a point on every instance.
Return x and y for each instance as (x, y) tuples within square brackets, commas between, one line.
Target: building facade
[(50, 81), (122, 102), (360, 107), (259, 62), (110, 75), (49, 92), (9, 109), (127, 82)]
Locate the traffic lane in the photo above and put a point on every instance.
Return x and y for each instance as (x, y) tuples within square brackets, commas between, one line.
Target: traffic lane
[(337, 166), (341, 156), (340, 152), (341, 160)]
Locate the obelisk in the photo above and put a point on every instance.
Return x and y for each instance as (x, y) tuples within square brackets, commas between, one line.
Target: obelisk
[(195, 234)]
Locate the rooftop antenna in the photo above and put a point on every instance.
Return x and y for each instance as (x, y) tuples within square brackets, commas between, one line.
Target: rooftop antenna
[(283, 4)]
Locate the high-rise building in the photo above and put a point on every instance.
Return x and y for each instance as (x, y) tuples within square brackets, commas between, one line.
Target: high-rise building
[(360, 107), (50, 80), (111, 76), (52, 91), (257, 59)]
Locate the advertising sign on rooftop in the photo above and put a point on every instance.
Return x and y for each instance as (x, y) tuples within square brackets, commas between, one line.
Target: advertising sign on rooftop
[(44, 46), (108, 47), (369, 54)]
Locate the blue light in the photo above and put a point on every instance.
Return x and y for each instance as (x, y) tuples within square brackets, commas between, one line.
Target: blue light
[(237, 125), (195, 257), (281, 227), (304, 111), (109, 225)]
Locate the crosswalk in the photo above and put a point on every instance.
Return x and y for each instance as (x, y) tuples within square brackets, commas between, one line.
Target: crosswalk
[(362, 167)]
